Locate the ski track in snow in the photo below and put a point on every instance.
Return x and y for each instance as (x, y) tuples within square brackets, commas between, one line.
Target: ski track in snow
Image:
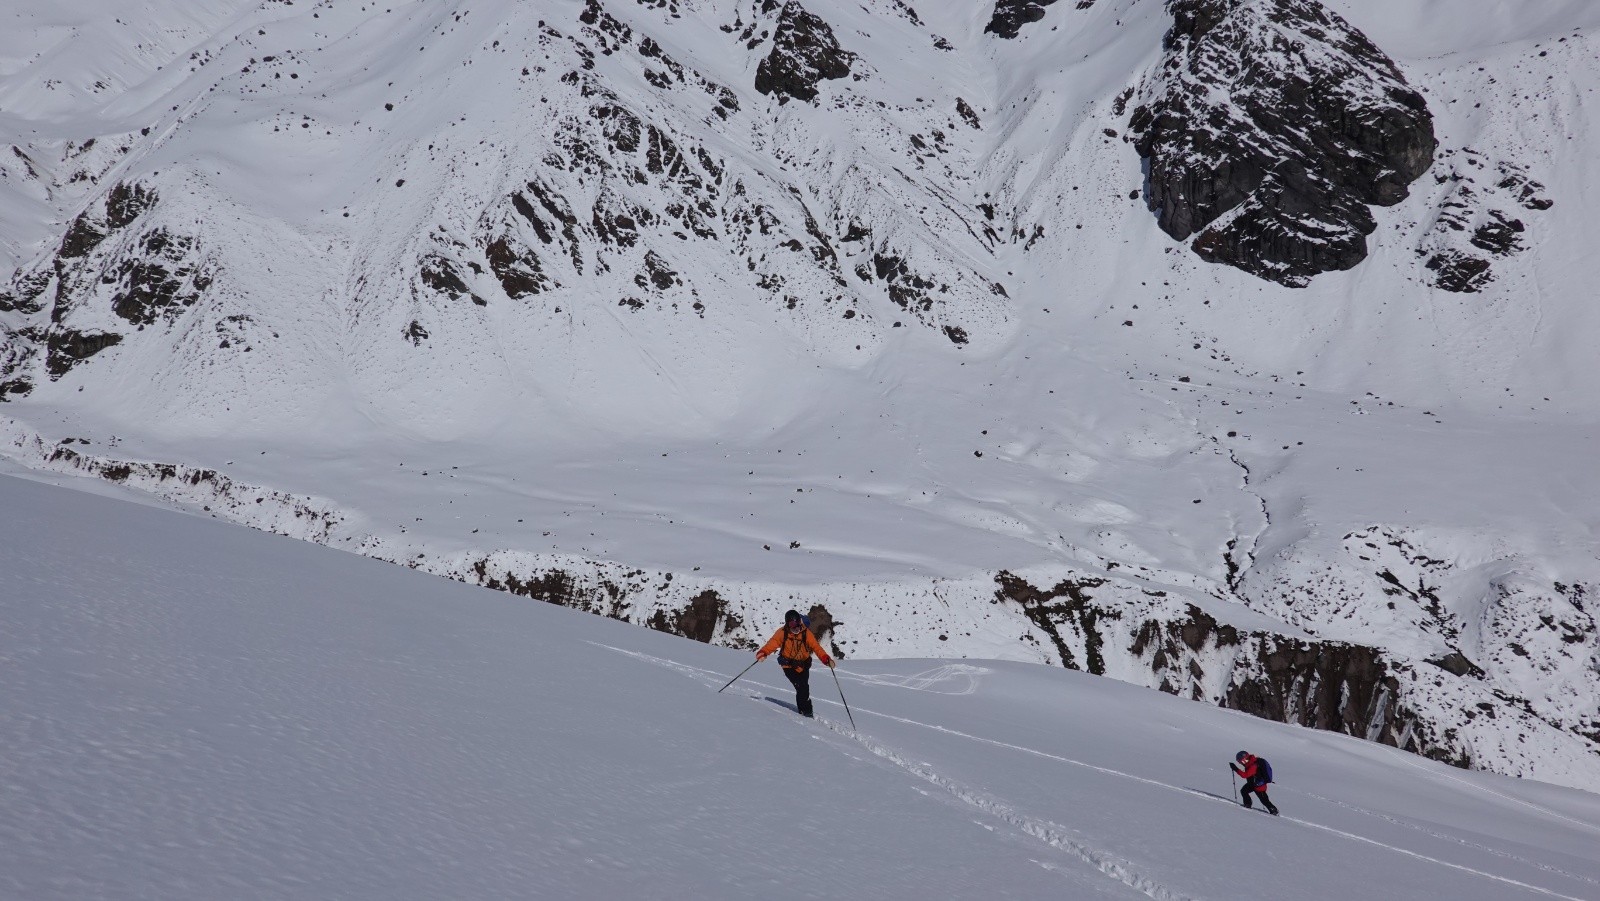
[(926, 680), (1489, 791), (1443, 836), (1050, 833), (1054, 834), (1455, 866)]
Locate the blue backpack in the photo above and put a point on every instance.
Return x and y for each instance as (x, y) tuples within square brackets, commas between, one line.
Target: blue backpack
[(1263, 770)]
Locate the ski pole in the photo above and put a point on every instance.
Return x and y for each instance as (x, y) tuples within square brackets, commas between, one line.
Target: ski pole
[(1233, 779), (841, 697), (740, 676)]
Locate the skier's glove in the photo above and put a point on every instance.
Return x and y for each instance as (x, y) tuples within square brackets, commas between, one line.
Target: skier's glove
[(761, 655)]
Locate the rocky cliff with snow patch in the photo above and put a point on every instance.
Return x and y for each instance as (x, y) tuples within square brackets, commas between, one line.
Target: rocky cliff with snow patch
[(1270, 130)]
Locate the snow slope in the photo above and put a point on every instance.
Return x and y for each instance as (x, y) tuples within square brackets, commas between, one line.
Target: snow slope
[(554, 297), (196, 710)]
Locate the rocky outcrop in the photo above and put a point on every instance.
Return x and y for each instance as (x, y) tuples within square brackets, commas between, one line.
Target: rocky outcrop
[(17, 352), (26, 293), (68, 347), (804, 53), (603, 597), (160, 280), (124, 203), (1480, 220), (1010, 15), (704, 618), (442, 275), (1270, 129), (148, 278), (1330, 685), (1067, 605)]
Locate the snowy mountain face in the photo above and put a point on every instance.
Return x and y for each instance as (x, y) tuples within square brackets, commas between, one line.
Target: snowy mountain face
[(1237, 348)]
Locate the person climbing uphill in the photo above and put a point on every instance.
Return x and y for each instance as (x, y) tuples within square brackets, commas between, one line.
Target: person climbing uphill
[(1257, 775), (794, 645)]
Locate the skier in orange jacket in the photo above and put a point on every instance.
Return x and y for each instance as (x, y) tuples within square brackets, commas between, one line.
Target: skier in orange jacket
[(794, 645)]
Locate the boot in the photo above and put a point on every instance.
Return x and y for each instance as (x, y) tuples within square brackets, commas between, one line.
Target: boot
[(1267, 803)]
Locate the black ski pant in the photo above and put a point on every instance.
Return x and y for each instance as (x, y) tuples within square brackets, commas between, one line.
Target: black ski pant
[(1261, 790), (799, 675)]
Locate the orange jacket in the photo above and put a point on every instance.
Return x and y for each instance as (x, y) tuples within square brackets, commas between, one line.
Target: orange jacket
[(794, 647)]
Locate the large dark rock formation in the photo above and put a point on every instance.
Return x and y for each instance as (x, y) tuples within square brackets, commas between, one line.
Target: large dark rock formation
[(1270, 129), (804, 53), (1010, 15)]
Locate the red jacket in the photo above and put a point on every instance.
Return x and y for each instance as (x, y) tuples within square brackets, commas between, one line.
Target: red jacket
[(1251, 770)]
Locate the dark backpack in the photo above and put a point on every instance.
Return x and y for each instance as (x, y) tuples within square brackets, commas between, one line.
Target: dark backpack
[(1263, 771)]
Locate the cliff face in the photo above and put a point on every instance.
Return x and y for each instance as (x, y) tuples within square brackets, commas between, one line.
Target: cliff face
[(1270, 128)]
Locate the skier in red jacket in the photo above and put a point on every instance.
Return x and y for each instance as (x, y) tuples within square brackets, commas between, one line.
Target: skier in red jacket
[(1257, 775)]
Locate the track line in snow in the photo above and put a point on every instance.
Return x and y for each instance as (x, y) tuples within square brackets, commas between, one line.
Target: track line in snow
[(926, 680), (1189, 791), (699, 673), (1052, 834), (695, 672), (1445, 863), (1505, 855), (1489, 791)]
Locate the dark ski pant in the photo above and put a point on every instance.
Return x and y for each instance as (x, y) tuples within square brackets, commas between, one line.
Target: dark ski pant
[(799, 675), (1260, 790)]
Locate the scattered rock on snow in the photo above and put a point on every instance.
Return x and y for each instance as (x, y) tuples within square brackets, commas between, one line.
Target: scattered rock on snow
[(1480, 219)]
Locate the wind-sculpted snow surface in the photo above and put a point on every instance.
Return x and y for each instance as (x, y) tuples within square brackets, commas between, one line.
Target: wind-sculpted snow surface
[(195, 710), (1271, 128), (679, 312)]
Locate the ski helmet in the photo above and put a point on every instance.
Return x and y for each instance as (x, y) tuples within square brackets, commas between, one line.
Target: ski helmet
[(792, 617), (1241, 756)]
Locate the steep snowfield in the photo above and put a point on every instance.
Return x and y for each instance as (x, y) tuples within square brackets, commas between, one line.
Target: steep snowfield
[(552, 297), (196, 710)]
